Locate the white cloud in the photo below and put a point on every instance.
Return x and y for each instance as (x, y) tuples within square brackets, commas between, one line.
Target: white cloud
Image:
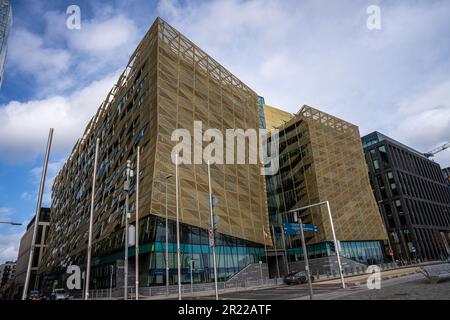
[(24, 126), (426, 121), (5, 212), (100, 37), (52, 171), (28, 54), (322, 54), (9, 246), (26, 196), (61, 59)]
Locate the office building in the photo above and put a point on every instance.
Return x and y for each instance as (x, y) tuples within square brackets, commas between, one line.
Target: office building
[(413, 198), (446, 173), (321, 159), (5, 26), (168, 83), (7, 272), (24, 253)]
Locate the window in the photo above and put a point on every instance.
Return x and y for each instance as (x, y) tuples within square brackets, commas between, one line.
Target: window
[(392, 184), (384, 157)]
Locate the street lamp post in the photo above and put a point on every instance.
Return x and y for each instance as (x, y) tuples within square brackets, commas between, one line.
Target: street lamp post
[(37, 215), (178, 228), (137, 223), (91, 218), (212, 203), (167, 241), (127, 216)]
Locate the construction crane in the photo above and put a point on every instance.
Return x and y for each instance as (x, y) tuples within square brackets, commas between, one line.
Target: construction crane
[(432, 153)]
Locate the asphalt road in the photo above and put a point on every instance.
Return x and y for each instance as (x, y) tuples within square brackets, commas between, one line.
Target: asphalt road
[(283, 292), (329, 289)]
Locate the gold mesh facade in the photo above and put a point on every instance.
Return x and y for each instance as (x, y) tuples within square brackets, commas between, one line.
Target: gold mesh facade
[(168, 84), (321, 158), (275, 117)]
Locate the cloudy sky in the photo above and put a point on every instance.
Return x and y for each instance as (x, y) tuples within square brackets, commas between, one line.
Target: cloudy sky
[(395, 80)]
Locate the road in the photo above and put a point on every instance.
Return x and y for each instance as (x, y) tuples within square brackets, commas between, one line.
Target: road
[(324, 290)]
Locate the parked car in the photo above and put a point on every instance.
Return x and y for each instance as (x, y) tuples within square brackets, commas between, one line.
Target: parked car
[(297, 278), (34, 295), (59, 294)]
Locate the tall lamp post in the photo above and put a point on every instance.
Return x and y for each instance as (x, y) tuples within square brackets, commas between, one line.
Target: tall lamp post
[(126, 188), (91, 219), (212, 203), (178, 228), (137, 223), (167, 240), (36, 219)]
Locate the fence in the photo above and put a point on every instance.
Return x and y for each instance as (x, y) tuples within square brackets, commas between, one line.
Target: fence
[(204, 288)]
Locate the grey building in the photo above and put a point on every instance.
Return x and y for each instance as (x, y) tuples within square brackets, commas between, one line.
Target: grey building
[(413, 197), (7, 271), (24, 253), (446, 173), (5, 26)]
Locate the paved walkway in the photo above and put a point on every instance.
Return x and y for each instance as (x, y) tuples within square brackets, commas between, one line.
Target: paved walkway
[(417, 289)]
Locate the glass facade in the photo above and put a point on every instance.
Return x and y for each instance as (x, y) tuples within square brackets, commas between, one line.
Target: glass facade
[(232, 254), (5, 26), (367, 252), (317, 153)]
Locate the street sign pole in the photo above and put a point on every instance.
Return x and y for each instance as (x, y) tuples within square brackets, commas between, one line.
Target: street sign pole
[(285, 251), (305, 256), (327, 203), (276, 254)]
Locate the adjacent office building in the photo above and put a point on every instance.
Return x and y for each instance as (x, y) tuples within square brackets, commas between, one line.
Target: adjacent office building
[(5, 26), (413, 197), (7, 272), (7, 276), (446, 173), (321, 159), (168, 84), (24, 253)]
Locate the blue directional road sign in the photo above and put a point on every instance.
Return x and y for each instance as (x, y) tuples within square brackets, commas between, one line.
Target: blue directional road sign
[(293, 229)]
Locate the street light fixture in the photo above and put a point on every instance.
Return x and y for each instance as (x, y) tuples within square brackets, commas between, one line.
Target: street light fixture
[(11, 223)]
